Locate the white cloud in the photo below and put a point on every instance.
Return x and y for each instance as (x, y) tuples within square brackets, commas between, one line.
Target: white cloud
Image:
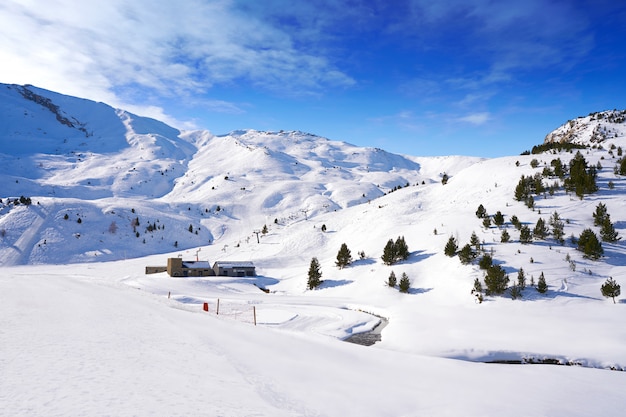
[(115, 50), (476, 119)]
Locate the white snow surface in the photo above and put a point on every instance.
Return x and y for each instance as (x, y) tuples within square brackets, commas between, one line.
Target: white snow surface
[(85, 332)]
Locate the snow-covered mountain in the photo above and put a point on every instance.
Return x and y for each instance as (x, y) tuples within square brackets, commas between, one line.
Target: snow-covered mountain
[(111, 192), (590, 130), (108, 168)]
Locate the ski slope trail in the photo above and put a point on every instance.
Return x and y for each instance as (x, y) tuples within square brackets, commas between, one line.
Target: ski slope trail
[(19, 252)]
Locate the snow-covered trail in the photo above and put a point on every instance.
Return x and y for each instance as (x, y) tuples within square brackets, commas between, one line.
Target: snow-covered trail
[(84, 346), (19, 252)]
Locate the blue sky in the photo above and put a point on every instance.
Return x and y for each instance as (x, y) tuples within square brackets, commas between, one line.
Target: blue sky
[(478, 77)]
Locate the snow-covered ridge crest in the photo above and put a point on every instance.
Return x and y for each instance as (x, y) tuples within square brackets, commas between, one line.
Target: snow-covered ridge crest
[(590, 130)]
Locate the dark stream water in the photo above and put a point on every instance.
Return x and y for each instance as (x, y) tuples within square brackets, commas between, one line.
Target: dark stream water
[(370, 337)]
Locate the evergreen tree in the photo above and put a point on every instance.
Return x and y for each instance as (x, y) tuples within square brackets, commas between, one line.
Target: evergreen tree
[(558, 168), (475, 242), (498, 219), (607, 232), (391, 281), (599, 215), (589, 245), (541, 230), (466, 254), (496, 280), (264, 230), (525, 235), (315, 274), (621, 168), (344, 256), (582, 179), (487, 222), (505, 236), (481, 212), (478, 287), (389, 253), (395, 251), (522, 190), (402, 249), (405, 284), (557, 227), (485, 262), (515, 222), (521, 279), (451, 247), (516, 292), (542, 287), (537, 184), (611, 289)]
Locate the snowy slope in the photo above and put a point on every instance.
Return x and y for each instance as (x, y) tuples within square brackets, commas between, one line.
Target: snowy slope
[(76, 344), (95, 335)]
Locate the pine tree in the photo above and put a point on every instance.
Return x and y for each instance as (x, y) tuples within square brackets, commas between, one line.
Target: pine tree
[(589, 245), (525, 236), (515, 222), (466, 254), (522, 190), (405, 284), (389, 253), (611, 289), (478, 287), (582, 179), (559, 168), (541, 230), (475, 242), (402, 249), (315, 274), (521, 279), (599, 215), (487, 222), (481, 212), (496, 280), (344, 256), (451, 247), (498, 219), (505, 236), (391, 281), (516, 292), (264, 230), (485, 262), (557, 228), (542, 286), (607, 232)]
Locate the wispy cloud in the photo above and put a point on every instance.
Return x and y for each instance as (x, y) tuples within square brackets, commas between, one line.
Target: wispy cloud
[(476, 119), (111, 50)]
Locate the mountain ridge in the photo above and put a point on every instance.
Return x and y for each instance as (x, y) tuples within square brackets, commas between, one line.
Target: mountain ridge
[(203, 188)]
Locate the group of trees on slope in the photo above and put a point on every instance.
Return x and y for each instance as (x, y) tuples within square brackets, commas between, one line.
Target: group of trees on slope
[(577, 176), (393, 252)]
